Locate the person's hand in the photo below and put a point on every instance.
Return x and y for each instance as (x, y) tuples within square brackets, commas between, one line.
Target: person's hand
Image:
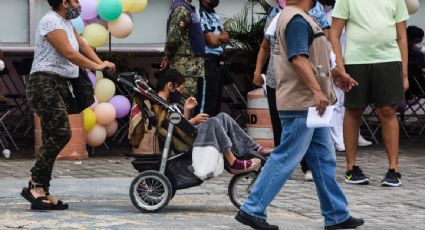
[(343, 80), (164, 64), (190, 103), (106, 64), (405, 83), (258, 80), (225, 37), (321, 102), (198, 119)]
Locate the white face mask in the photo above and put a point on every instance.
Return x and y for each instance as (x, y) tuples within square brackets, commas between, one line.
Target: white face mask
[(2, 66)]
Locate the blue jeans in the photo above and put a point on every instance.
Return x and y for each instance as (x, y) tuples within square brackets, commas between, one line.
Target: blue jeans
[(298, 140)]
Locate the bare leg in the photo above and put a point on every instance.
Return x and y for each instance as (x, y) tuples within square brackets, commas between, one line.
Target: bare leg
[(351, 134), (390, 133)]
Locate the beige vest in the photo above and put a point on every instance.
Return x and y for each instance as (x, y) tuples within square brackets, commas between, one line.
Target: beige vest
[(291, 92)]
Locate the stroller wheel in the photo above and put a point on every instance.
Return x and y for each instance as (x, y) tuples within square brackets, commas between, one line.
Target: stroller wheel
[(240, 186), (150, 191)]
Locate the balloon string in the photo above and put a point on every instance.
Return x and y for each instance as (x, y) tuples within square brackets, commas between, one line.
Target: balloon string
[(110, 45)]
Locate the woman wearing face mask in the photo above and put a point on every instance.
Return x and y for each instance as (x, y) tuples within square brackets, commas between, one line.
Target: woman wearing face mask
[(59, 52), (221, 132)]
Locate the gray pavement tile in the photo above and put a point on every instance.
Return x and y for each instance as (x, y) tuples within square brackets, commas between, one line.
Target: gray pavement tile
[(107, 205)]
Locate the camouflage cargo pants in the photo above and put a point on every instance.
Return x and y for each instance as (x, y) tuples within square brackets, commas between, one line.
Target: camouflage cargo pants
[(48, 97)]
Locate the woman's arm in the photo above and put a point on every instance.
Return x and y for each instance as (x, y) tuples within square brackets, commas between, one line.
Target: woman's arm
[(86, 50), (59, 40)]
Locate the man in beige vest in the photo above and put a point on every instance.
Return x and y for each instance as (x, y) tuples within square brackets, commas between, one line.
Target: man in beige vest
[(303, 80)]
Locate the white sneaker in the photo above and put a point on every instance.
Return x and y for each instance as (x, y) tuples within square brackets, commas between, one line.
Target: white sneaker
[(308, 176), (340, 147), (363, 142)]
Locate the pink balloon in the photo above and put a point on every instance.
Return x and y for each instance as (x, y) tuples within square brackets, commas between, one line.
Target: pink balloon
[(88, 9), (105, 113), (111, 129), (129, 14), (98, 21), (121, 104), (96, 136), (122, 27)]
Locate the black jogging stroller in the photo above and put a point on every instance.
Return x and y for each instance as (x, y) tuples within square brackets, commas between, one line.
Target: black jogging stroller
[(160, 176)]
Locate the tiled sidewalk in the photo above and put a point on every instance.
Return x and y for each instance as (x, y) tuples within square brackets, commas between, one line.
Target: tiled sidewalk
[(382, 208)]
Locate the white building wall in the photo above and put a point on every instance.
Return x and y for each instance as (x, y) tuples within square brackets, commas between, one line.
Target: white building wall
[(19, 19)]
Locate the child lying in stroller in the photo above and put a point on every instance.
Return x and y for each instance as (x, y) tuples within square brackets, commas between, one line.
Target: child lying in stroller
[(220, 132)]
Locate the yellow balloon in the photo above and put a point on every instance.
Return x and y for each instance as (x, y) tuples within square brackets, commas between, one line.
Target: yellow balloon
[(138, 6), (105, 90), (99, 75), (89, 119), (126, 5), (96, 35)]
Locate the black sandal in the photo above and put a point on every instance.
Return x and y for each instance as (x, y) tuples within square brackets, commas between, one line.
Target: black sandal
[(60, 205), (36, 203)]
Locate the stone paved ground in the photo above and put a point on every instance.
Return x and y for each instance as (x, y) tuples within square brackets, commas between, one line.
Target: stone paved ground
[(98, 191)]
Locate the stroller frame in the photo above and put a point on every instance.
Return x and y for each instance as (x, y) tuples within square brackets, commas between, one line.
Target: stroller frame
[(144, 192)]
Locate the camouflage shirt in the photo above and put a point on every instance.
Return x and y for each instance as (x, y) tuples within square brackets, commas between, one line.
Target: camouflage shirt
[(178, 49)]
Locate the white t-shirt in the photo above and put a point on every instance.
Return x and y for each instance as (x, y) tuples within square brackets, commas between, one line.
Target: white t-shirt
[(46, 57)]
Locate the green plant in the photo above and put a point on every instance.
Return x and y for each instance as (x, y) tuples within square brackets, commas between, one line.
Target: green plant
[(246, 30)]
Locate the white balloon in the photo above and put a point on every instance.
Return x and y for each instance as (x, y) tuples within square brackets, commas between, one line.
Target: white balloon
[(6, 153)]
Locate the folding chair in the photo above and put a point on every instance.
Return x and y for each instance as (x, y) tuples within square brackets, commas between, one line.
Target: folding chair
[(416, 105), (23, 69), (373, 125), (6, 138), (235, 100)]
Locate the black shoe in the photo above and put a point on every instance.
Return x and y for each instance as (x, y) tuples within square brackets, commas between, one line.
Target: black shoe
[(356, 176), (392, 179), (254, 222), (351, 222)]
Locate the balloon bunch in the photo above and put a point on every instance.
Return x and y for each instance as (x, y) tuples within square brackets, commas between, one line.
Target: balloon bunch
[(99, 17), (100, 118)]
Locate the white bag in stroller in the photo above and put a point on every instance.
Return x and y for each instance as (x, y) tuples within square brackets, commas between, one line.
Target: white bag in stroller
[(207, 162)]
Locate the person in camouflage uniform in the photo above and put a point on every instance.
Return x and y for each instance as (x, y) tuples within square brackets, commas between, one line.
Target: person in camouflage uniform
[(179, 51)]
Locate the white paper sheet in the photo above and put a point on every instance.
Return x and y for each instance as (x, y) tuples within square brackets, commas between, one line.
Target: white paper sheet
[(316, 121)]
